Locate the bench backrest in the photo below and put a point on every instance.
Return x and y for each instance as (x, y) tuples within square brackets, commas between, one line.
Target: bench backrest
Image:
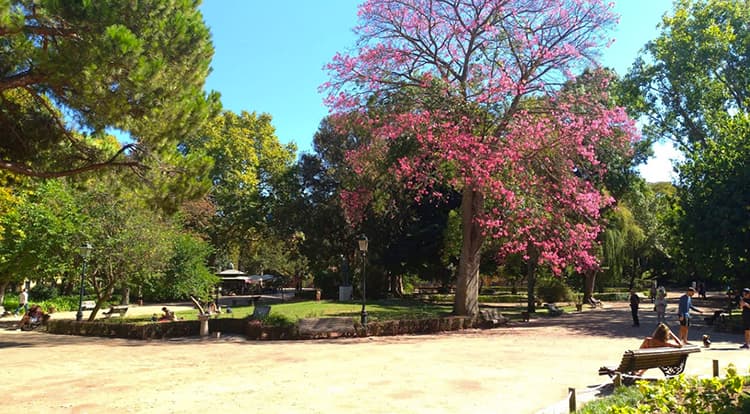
[(654, 357)]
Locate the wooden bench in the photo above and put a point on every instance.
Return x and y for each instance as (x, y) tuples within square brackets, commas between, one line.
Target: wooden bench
[(553, 309), (491, 318), (671, 361), (718, 318), (595, 303), (88, 305), (313, 328), (120, 310)]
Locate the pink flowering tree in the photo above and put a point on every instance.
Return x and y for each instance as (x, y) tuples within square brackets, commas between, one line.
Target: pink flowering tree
[(476, 89)]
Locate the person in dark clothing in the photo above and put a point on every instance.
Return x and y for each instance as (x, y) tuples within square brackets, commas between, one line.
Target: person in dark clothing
[(745, 306), (683, 312), (634, 302)]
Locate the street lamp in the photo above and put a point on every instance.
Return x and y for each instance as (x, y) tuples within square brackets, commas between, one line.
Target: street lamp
[(85, 251), (363, 249)]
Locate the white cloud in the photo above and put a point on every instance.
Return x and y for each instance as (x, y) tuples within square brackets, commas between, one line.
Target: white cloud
[(659, 167)]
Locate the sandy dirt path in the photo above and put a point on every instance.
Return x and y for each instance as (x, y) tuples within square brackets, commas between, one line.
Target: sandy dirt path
[(524, 368)]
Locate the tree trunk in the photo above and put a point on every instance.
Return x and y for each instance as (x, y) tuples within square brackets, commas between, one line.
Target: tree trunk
[(125, 296), (588, 285), (467, 284), (531, 266), (67, 287), (102, 296), (3, 288), (399, 284)]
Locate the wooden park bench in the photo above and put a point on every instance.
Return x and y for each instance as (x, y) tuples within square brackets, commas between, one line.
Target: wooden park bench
[(312, 328), (120, 310), (491, 318), (88, 305), (717, 318), (553, 309), (594, 303), (671, 361)]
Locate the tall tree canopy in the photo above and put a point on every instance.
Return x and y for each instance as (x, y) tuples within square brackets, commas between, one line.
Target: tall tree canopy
[(72, 69), (484, 116), (249, 179), (693, 85)]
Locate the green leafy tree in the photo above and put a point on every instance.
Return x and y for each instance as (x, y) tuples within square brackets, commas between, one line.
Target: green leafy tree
[(73, 69), (715, 213), (185, 272), (693, 88), (41, 234), (250, 173), (131, 241)]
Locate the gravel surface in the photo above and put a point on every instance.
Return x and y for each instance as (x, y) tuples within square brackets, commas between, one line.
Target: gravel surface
[(522, 368)]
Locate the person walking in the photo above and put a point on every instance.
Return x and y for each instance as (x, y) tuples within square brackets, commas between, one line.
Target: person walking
[(745, 306), (683, 312), (23, 302), (634, 303), (660, 305)]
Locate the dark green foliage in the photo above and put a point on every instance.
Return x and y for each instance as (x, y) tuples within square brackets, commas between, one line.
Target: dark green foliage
[(135, 66), (328, 282), (692, 86), (42, 292), (552, 289), (185, 273)]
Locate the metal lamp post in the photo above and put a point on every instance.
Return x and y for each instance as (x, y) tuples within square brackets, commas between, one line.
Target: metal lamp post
[(363, 249), (85, 251)]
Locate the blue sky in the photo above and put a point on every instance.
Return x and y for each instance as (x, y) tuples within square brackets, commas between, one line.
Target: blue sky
[(270, 55)]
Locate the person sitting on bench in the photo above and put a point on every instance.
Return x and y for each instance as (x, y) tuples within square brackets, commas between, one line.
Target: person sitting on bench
[(32, 318), (662, 337), (168, 315)]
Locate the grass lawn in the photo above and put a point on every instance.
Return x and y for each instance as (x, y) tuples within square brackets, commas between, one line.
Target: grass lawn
[(292, 311), (380, 310)]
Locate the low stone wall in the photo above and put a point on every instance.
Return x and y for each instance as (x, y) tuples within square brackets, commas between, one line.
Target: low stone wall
[(417, 326), (124, 330), (252, 330)]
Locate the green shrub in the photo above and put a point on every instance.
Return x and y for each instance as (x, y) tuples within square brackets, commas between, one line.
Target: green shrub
[(42, 292), (60, 303), (553, 290), (688, 395), (278, 320), (508, 298), (612, 296)]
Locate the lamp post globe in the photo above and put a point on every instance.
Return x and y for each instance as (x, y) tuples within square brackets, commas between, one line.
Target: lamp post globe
[(363, 244), (85, 252)]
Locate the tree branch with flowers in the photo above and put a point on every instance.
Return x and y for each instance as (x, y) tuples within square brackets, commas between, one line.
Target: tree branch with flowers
[(487, 94)]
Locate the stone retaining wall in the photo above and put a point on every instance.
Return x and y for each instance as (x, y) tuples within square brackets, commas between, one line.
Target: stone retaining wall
[(253, 330)]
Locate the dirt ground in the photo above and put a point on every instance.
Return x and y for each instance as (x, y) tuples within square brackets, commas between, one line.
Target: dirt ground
[(523, 368)]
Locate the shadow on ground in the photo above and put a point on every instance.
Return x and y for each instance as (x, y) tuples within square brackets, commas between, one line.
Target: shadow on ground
[(616, 321)]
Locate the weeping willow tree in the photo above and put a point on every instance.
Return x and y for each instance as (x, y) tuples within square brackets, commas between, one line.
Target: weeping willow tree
[(623, 242)]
